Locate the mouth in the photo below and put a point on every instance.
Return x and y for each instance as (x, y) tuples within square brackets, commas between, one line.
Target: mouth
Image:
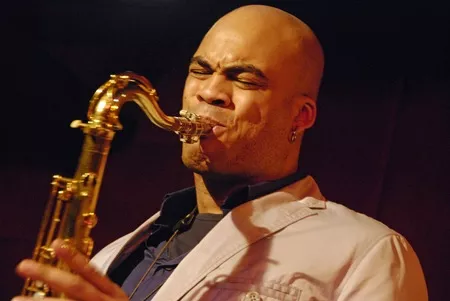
[(217, 128), (213, 123)]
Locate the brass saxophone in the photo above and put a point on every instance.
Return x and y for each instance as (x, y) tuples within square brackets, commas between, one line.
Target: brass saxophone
[(70, 212)]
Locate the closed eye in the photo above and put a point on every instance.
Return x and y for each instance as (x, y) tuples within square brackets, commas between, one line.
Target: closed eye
[(248, 76), (248, 81), (200, 65), (199, 71)]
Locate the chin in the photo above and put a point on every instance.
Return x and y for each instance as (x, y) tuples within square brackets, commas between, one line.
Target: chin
[(194, 159), (202, 164), (208, 156)]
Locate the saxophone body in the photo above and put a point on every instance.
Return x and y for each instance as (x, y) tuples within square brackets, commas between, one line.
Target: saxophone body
[(70, 212)]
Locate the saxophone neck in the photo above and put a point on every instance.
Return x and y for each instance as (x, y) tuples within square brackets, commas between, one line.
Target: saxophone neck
[(107, 101), (109, 98)]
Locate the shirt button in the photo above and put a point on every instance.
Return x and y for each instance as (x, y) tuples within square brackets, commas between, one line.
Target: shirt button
[(252, 296)]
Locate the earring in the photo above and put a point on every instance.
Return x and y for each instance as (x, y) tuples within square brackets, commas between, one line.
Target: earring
[(293, 136)]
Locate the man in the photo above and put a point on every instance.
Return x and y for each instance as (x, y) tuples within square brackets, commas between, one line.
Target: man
[(254, 227)]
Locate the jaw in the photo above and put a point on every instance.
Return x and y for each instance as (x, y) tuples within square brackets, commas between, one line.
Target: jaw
[(194, 159)]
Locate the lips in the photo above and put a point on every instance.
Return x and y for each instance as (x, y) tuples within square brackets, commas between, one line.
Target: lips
[(206, 116), (214, 122), (217, 128)]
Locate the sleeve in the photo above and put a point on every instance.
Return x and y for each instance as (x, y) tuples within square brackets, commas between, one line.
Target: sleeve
[(390, 271)]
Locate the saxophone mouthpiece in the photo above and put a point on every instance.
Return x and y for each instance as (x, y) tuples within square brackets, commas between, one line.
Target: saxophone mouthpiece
[(76, 124)]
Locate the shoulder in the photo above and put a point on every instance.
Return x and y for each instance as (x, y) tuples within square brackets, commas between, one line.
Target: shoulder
[(341, 234), (367, 259), (382, 266), (345, 221), (331, 217)]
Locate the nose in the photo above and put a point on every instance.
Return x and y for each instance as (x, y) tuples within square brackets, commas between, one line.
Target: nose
[(215, 90)]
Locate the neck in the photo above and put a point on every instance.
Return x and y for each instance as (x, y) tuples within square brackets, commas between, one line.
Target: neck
[(211, 192)]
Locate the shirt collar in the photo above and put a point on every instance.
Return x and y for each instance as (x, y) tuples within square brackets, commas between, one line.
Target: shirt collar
[(178, 204)]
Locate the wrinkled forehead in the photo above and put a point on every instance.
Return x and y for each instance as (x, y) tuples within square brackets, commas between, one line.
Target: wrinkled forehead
[(250, 41), (281, 45)]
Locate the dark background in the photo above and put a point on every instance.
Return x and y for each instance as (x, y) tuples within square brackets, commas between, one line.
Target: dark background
[(380, 144)]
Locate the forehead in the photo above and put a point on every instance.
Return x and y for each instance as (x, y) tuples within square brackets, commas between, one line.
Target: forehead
[(224, 45)]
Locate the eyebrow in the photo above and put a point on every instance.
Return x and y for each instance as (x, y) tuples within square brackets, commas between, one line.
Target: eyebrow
[(235, 68), (202, 62)]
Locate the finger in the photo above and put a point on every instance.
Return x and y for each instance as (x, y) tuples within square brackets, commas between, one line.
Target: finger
[(79, 263), (73, 286)]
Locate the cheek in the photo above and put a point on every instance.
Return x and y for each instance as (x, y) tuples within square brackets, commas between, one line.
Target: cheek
[(252, 108), (190, 89), (271, 131)]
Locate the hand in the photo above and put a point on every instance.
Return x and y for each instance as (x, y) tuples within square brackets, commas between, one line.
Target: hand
[(86, 285)]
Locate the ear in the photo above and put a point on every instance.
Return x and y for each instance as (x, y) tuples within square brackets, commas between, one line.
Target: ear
[(306, 114)]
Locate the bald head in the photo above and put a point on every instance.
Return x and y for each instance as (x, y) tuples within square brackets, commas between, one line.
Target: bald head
[(285, 39), (257, 73)]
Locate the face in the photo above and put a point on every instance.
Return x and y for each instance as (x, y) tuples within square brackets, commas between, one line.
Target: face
[(245, 82)]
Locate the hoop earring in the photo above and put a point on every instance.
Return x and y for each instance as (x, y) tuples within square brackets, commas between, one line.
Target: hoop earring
[(293, 136)]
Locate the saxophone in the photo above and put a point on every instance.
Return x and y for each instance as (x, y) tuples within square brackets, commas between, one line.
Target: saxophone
[(70, 211)]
